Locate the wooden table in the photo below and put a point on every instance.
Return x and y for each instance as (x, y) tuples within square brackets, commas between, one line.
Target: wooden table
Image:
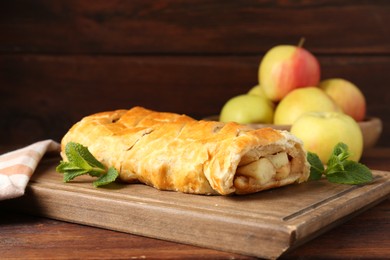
[(366, 236)]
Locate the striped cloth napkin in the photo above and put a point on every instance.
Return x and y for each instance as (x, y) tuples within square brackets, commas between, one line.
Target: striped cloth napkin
[(17, 167)]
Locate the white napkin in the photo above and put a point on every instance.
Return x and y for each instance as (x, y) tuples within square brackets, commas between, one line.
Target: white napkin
[(17, 167)]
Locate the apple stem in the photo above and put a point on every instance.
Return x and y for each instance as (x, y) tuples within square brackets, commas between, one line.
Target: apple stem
[(301, 42)]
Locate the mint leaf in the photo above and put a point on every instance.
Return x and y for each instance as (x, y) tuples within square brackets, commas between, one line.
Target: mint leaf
[(339, 169), (80, 155), (107, 178), (81, 162), (354, 173), (66, 166), (73, 155), (337, 158), (316, 166), (340, 148), (70, 175), (87, 156)]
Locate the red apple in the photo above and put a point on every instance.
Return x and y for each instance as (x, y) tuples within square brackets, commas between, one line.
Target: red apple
[(347, 95), (287, 67)]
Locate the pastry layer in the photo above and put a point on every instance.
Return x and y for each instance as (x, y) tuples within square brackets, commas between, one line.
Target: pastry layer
[(175, 152)]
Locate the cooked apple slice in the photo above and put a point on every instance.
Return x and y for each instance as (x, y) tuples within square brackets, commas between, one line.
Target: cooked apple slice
[(279, 160), (261, 170), (283, 172), (282, 165)]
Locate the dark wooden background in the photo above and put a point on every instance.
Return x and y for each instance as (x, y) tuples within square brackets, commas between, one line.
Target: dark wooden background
[(62, 60)]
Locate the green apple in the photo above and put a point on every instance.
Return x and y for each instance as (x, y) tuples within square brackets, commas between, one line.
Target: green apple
[(300, 101), (257, 90), (285, 68), (347, 95), (321, 131), (247, 109)]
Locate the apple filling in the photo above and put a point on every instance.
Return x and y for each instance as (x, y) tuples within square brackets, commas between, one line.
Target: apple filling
[(264, 170)]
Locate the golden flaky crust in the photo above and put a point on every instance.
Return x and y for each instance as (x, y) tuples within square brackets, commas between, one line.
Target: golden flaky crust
[(175, 152)]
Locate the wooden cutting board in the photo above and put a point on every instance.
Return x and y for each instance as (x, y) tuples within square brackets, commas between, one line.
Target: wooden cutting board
[(264, 225)]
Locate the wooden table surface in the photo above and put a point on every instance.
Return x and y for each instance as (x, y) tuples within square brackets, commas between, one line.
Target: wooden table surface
[(366, 236)]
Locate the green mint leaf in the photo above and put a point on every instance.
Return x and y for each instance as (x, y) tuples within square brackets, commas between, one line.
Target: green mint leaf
[(340, 148), (80, 162), (339, 169), (337, 158), (66, 166), (87, 156), (316, 166), (354, 173), (111, 175), (96, 172), (80, 155), (70, 175), (70, 170)]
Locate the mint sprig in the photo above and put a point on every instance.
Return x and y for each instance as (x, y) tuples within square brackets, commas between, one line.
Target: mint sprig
[(82, 162), (339, 169)]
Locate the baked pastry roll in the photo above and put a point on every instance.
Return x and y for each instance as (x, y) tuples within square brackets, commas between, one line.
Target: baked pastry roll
[(175, 152)]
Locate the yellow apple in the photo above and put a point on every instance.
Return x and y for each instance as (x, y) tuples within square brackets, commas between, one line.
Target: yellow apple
[(247, 109), (286, 67), (300, 101), (347, 95), (321, 131), (257, 90)]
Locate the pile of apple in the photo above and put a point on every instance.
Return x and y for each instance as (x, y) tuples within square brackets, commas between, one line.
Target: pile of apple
[(290, 92)]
